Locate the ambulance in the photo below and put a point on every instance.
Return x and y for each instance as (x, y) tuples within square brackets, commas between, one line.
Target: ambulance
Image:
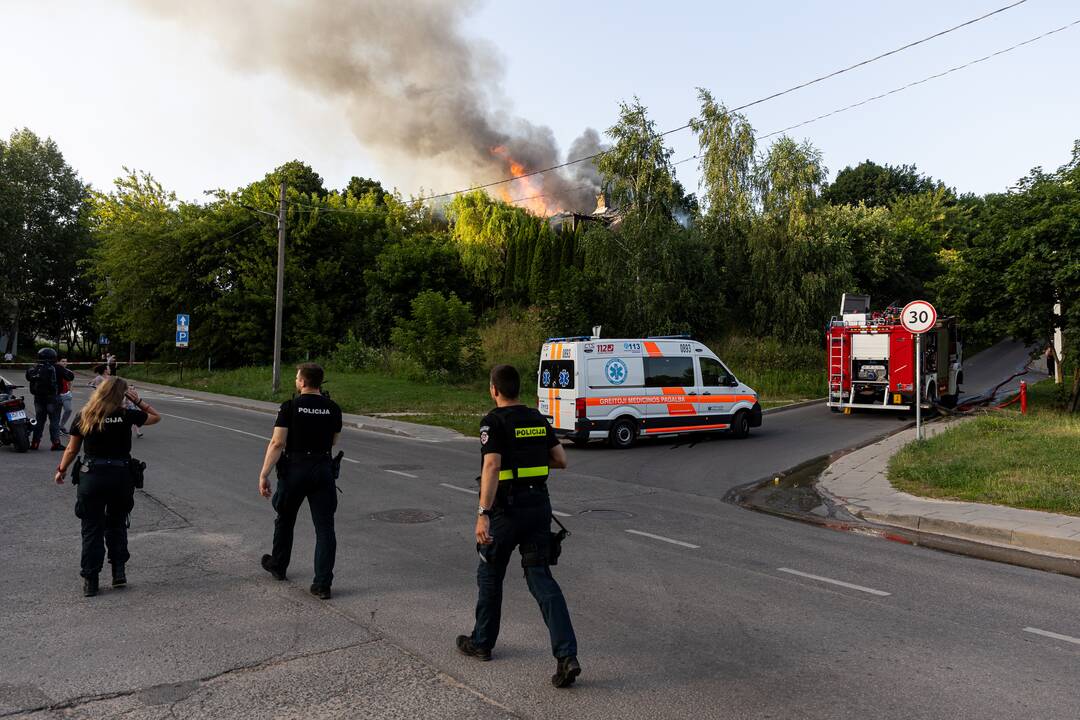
[(592, 388)]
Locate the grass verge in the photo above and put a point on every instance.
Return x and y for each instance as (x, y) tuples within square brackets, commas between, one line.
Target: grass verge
[(1003, 458), (781, 375)]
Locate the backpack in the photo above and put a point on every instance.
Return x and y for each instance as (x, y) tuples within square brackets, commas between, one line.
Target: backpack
[(42, 380)]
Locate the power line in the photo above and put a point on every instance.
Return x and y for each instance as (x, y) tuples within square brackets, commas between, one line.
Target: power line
[(906, 86), (746, 105), (920, 82)]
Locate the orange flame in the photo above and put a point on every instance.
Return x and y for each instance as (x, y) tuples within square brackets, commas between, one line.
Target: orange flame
[(526, 192)]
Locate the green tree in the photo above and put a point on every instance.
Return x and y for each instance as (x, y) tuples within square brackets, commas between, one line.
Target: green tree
[(440, 335), (877, 185), (42, 241)]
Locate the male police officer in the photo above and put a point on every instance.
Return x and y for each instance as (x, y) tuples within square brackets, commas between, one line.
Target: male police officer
[(518, 448), (306, 429)]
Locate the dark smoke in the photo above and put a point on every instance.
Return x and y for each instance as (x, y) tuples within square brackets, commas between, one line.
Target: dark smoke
[(423, 97)]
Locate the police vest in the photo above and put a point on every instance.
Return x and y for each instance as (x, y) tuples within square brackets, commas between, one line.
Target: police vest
[(523, 434)]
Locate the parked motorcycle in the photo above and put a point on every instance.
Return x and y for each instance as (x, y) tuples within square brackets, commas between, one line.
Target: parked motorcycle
[(15, 425)]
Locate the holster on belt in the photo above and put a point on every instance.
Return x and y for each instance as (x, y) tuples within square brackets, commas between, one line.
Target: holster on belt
[(76, 471)]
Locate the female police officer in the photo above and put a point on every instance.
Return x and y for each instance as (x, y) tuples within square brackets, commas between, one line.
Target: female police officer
[(106, 491)]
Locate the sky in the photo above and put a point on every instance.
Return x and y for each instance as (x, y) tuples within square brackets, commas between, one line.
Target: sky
[(117, 85)]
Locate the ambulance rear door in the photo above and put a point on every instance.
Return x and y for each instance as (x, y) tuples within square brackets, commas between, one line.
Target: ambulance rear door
[(558, 383)]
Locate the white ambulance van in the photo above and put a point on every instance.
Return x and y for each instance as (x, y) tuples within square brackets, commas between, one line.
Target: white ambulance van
[(593, 388)]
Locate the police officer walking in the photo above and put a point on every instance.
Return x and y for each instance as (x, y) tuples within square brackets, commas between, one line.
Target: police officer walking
[(518, 447), (306, 430), (44, 381), (106, 488)]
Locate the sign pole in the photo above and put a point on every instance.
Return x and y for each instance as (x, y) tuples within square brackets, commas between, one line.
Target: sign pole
[(918, 386)]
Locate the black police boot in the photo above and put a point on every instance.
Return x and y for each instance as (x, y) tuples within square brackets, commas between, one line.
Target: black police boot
[(320, 591), (119, 577), (268, 566), (566, 672), (90, 586), (466, 646)]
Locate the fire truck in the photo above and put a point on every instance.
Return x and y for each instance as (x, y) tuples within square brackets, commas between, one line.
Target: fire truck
[(871, 360)]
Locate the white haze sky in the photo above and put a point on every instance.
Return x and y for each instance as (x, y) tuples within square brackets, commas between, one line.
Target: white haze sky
[(115, 86)]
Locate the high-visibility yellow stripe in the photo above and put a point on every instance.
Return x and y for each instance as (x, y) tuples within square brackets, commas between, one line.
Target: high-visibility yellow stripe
[(526, 472)]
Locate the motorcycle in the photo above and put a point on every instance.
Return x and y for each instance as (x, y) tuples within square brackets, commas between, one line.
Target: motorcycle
[(15, 425)]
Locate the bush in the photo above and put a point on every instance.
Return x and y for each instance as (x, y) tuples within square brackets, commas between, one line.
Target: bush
[(354, 354), (440, 336)]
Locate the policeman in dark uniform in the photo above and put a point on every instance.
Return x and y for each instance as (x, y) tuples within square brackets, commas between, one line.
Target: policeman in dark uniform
[(106, 492), (306, 430), (518, 448)]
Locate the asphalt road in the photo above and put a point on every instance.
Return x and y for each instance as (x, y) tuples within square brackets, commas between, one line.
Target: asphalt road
[(684, 606)]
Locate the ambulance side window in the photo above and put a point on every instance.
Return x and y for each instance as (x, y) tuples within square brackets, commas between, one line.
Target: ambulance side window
[(669, 372), (557, 374), (714, 374)]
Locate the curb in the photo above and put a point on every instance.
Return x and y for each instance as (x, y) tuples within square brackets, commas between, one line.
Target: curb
[(270, 408), (793, 406), (1014, 541)]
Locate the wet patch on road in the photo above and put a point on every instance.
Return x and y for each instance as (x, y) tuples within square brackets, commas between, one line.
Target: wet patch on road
[(793, 494), (605, 514)]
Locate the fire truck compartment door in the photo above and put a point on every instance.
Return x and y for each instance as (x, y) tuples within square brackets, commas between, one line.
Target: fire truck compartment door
[(870, 347)]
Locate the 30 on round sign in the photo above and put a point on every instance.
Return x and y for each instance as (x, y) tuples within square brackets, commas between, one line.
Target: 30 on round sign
[(918, 316)]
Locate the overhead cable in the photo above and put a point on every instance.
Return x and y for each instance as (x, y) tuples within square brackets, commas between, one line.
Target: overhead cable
[(773, 96)]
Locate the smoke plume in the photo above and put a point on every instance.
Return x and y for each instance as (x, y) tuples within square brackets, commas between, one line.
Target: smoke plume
[(426, 100)]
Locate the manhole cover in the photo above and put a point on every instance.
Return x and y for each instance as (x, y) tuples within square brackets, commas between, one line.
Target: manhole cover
[(401, 468), (606, 514), (407, 516)]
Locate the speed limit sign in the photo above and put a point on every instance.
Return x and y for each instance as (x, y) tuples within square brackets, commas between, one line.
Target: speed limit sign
[(918, 316)]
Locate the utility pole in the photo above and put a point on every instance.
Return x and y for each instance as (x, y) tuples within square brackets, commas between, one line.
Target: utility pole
[(280, 289)]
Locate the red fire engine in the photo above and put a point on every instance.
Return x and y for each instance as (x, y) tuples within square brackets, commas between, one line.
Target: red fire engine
[(871, 360)]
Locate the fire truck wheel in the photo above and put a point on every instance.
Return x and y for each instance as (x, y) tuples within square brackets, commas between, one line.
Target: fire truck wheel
[(834, 408), (623, 433), (740, 424)]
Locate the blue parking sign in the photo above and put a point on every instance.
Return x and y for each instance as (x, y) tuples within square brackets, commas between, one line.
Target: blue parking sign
[(103, 340), (181, 338)]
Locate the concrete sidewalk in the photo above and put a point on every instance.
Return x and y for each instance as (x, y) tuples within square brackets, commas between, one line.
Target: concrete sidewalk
[(415, 431), (859, 482)]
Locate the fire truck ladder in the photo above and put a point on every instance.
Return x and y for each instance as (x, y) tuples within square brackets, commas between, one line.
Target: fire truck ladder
[(836, 369)]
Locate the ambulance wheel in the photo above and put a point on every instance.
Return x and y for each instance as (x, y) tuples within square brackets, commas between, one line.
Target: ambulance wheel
[(623, 433), (740, 424)]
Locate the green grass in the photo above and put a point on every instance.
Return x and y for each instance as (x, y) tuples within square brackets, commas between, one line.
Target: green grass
[(1003, 458), (364, 393), (780, 373)]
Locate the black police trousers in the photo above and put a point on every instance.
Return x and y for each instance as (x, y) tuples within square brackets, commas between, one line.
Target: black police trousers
[(526, 524), (105, 497), (310, 478)]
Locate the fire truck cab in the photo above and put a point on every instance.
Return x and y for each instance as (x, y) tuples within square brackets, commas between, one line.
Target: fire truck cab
[(871, 360), (592, 388)]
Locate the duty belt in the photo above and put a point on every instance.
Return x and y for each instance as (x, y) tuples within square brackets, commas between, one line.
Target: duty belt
[(296, 454), (525, 472), (116, 462)]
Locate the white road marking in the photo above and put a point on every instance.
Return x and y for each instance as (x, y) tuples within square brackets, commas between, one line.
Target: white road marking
[(559, 513), (403, 474), (664, 539), (459, 489), (354, 462), (1054, 635), (841, 583), (220, 427)]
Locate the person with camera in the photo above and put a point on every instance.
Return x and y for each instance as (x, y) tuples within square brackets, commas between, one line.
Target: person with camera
[(518, 448), (44, 381), (106, 476), (305, 432)]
